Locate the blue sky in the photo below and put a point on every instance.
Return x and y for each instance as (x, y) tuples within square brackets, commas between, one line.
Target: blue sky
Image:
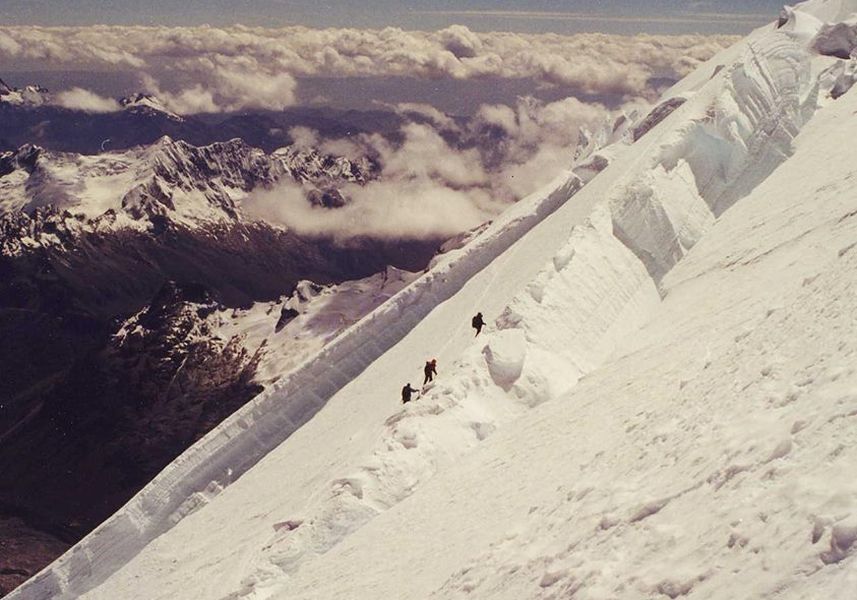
[(570, 16)]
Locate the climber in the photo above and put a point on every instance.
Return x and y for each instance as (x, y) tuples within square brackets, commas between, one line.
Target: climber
[(477, 323), (430, 370), (406, 393)]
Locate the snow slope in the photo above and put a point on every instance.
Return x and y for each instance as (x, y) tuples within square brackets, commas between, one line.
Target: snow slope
[(661, 407), (260, 426), (291, 330), (711, 457)]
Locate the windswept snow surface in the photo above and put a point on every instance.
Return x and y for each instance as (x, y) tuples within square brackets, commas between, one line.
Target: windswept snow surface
[(663, 404)]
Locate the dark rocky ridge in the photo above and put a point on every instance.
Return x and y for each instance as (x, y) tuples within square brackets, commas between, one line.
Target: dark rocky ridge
[(119, 412), (656, 115)]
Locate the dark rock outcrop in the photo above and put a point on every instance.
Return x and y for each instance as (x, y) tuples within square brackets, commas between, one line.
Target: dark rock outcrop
[(656, 115)]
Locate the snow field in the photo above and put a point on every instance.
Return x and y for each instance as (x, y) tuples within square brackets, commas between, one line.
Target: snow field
[(496, 378), (689, 219), (763, 141)]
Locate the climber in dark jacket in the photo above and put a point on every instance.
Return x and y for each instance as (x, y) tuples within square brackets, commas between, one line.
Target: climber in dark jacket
[(477, 323), (430, 370), (406, 393)]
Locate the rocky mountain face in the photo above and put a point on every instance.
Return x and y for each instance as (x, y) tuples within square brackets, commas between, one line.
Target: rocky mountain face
[(110, 266), (111, 418), (23, 551), (121, 409), (169, 179)]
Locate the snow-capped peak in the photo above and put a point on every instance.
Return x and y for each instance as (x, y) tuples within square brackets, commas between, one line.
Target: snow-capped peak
[(147, 104), (31, 95), (169, 180)]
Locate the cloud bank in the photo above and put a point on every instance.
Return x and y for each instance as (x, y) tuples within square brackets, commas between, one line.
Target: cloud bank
[(81, 99), (410, 209), (690, 17), (430, 187), (234, 68), (442, 175)]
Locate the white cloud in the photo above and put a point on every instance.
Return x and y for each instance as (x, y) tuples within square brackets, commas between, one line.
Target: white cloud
[(498, 115), (8, 45), (305, 138), (459, 40), (226, 84), (426, 187), (425, 155), (533, 128), (81, 99), (194, 99), (426, 111), (688, 17), (411, 209), (240, 67)]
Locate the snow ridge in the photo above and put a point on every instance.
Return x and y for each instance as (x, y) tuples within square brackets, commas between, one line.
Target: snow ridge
[(735, 133), (510, 371)]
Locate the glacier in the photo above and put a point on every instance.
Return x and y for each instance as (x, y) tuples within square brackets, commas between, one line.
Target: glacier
[(661, 405)]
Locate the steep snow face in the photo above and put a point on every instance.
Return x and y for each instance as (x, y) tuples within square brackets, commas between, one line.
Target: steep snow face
[(830, 11), (561, 452), (710, 457), (243, 439), (740, 131)]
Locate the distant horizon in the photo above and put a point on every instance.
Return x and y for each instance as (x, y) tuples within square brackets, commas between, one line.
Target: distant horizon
[(626, 17), (226, 69)]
